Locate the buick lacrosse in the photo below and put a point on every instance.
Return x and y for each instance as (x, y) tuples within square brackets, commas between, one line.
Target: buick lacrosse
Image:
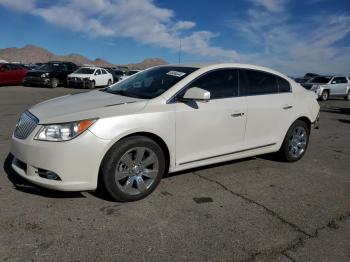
[(164, 119)]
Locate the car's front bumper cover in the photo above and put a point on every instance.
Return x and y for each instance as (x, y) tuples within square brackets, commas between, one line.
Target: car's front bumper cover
[(76, 162)]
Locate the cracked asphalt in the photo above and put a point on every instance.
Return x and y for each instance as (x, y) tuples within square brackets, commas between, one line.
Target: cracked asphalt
[(255, 209)]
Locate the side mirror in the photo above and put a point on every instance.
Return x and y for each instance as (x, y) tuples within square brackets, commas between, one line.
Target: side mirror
[(196, 94), (334, 82)]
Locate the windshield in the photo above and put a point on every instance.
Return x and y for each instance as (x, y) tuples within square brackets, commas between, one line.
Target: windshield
[(50, 67), (321, 79), (150, 83), (85, 71)]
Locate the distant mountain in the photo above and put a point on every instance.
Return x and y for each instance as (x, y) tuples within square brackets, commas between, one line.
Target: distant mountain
[(35, 54)]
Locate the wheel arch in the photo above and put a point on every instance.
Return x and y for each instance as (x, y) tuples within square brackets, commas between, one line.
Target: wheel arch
[(149, 135)]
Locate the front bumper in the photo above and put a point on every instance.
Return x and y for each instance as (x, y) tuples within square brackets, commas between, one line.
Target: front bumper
[(76, 162), (37, 81), (79, 82)]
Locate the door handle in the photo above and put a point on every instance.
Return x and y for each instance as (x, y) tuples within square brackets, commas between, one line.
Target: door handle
[(237, 114), (287, 107)]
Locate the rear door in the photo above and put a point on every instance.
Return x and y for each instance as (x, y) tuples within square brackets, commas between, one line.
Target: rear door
[(8, 75), (205, 130), (105, 77), (270, 107)]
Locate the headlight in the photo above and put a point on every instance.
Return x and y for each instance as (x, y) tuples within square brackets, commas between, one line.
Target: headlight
[(315, 87), (64, 131), (45, 75)]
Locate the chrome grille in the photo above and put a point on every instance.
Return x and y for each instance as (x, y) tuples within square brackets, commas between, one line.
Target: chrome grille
[(25, 125)]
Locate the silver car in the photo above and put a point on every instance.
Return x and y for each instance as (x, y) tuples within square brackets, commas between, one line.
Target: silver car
[(327, 86)]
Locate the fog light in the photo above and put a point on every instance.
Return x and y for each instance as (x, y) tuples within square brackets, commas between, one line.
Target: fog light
[(48, 174)]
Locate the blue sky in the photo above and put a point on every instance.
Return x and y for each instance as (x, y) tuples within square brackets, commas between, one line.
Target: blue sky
[(291, 36)]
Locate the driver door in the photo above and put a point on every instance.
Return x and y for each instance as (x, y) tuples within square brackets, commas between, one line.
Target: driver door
[(207, 130)]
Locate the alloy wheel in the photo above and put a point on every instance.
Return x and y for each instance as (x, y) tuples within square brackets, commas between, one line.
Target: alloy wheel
[(297, 141), (136, 170)]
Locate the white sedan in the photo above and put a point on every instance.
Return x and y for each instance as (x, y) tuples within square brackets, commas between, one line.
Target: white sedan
[(164, 119), (90, 77)]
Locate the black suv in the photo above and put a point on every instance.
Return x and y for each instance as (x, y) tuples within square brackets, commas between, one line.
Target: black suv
[(50, 74)]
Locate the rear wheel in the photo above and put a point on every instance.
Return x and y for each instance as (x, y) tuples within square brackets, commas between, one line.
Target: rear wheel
[(109, 82), (296, 141), (133, 168), (325, 95)]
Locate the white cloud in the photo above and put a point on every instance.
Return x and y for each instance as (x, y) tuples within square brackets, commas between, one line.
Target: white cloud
[(296, 47), (140, 20), (270, 5)]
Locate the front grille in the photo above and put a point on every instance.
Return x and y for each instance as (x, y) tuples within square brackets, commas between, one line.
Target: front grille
[(25, 125)]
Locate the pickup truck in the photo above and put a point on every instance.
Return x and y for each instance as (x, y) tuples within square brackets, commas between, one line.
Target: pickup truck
[(329, 86)]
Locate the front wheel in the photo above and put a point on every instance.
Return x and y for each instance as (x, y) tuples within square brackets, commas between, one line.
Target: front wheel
[(92, 84), (133, 168), (296, 141), (347, 97), (324, 96), (54, 83)]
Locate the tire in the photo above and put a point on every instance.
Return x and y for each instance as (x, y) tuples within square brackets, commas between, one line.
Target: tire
[(295, 144), (54, 83), (347, 97), (92, 84), (133, 168), (325, 95), (109, 82)]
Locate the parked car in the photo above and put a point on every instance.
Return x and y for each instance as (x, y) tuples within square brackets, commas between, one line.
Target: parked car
[(119, 73), (12, 74), (89, 77), (164, 119), (305, 78), (51, 74), (128, 74), (326, 86), (114, 75)]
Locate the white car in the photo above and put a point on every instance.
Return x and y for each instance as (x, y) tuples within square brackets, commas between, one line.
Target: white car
[(164, 119), (128, 74), (90, 77), (329, 86)]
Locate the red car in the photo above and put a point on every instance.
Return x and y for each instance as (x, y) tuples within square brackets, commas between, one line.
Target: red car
[(12, 74)]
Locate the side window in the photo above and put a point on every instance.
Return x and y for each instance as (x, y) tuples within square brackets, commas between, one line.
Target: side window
[(220, 83), (103, 71), (283, 85), (339, 80), (98, 72), (254, 82)]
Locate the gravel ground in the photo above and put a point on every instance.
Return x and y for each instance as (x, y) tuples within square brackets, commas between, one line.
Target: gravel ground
[(255, 209)]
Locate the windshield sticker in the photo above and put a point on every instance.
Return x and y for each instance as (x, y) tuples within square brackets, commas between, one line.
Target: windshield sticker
[(176, 73)]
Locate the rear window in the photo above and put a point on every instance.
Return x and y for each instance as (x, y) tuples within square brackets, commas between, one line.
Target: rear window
[(257, 82)]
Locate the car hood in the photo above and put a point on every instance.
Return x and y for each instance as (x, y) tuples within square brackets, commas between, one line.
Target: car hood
[(94, 104), (37, 72), (80, 75)]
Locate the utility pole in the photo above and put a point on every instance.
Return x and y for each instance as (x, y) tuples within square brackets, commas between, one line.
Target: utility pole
[(180, 51)]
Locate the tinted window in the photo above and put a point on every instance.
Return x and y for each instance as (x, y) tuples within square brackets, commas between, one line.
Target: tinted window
[(283, 85), (257, 83), (339, 80), (98, 72), (221, 83), (321, 80), (104, 71)]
